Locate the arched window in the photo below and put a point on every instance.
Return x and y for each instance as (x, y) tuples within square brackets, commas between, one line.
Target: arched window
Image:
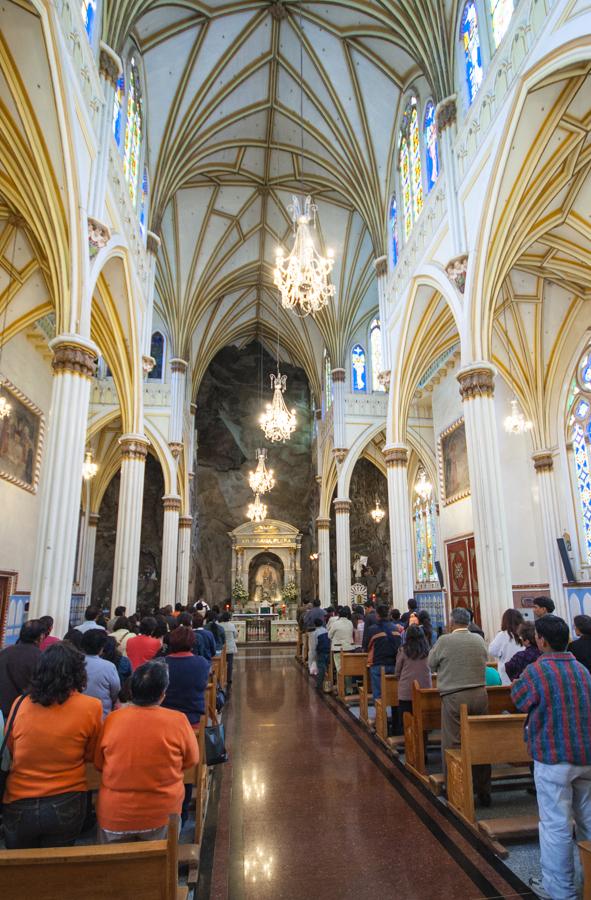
[(501, 12), (358, 368), (88, 10), (377, 360), (425, 540), (393, 232), (157, 353), (118, 109), (472, 52), (144, 203), (327, 382), (133, 131), (431, 145), (411, 175), (580, 429)]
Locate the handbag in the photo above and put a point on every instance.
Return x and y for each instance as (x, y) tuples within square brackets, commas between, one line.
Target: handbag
[(220, 699), (215, 747), (5, 772)]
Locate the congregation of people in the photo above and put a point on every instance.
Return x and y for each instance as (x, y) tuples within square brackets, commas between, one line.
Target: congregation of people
[(548, 669), (125, 694)]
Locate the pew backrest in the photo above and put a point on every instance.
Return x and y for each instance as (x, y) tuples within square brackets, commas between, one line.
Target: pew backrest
[(493, 739)]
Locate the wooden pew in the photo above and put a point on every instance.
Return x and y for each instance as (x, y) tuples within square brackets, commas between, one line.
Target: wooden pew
[(389, 698), (126, 871), (305, 648), (352, 664), (364, 698), (224, 669), (299, 646), (585, 852)]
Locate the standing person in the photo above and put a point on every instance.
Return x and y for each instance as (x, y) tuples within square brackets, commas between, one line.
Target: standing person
[(555, 692), (358, 625), (52, 738), (111, 624), (412, 608), (144, 646), (91, 614), (427, 626), (411, 666), (516, 665), (231, 645), (18, 663), (101, 675), (319, 651), (459, 659), (581, 648), (507, 642), (49, 639), (543, 606), (370, 618), (383, 643), (315, 612), (219, 635)]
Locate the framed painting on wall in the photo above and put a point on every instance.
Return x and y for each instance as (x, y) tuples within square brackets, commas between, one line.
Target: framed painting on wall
[(453, 463), (21, 439)]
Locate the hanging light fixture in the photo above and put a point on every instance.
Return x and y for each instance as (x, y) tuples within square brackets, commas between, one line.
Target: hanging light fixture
[(89, 467), (516, 423), (262, 480), (302, 277), (277, 421), (257, 511), (378, 513), (5, 406), (423, 486)]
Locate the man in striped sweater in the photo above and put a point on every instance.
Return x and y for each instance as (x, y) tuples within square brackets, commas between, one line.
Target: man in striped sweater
[(555, 692)]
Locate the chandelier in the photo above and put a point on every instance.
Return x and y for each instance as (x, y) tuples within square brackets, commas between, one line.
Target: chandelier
[(277, 421), (302, 277), (378, 513), (423, 487), (5, 406), (516, 423), (89, 467), (257, 511), (261, 480)]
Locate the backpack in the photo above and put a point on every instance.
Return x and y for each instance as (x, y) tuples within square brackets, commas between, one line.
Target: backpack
[(323, 643)]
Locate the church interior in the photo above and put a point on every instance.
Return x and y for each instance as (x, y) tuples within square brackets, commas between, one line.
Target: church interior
[(295, 327)]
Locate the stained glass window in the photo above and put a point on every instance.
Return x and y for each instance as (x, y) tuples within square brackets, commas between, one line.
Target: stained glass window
[(88, 10), (118, 109), (425, 540), (406, 189), (133, 132), (377, 362), (144, 203), (415, 161), (580, 425), (327, 381), (157, 353), (393, 232), (358, 368), (431, 145), (472, 52), (501, 12), (411, 177)]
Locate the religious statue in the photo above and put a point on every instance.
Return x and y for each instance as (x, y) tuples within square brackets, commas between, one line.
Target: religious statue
[(266, 584), (358, 567)]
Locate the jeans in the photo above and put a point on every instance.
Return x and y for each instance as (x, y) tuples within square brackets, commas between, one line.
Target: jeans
[(375, 673), (564, 793), (44, 821), (322, 660), (229, 666), (125, 837)]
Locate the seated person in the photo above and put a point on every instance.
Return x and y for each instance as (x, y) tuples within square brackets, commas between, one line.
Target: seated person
[(213, 626), (143, 751), (53, 736), (515, 666), (204, 640), (188, 676), (145, 645), (102, 679)]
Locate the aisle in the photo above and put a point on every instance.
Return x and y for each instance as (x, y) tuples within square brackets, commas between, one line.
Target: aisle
[(310, 808)]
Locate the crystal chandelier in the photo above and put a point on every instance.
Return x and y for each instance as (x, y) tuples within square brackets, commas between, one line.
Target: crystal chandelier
[(423, 487), (261, 480), (302, 277), (89, 467), (277, 421), (378, 513), (516, 423), (257, 511)]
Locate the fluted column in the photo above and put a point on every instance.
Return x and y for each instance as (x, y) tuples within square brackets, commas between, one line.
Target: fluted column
[(488, 509), (110, 69), (544, 466), (134, 449), (170, 539), (381, 267), (338, 406), (323, 532), (178, 380), (152, 246), (74, 364), (89, 551), (401, 555), (342, 508), (184, 559)]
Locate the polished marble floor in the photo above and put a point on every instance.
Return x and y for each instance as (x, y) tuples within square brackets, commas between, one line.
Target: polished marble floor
[(310, 807)]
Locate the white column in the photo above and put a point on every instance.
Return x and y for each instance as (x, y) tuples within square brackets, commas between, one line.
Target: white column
[(401, 554), (323, 532), (110, 69), (89, 551), (134, 449), (342, 509), (61, 480), (488, 509), (381, 267), (152, 246), (446, 117), (178, 381), (544, 466), (170, 539), (191, 440), (338, 412), (184, 559)]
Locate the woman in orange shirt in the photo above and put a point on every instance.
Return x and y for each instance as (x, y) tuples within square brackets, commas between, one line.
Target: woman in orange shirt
[(53, 736)]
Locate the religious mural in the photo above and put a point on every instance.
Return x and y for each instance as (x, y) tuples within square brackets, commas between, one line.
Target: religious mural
[(21, 440), (453, 463)]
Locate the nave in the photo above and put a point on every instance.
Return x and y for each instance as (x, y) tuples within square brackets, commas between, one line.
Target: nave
[(310, 806)]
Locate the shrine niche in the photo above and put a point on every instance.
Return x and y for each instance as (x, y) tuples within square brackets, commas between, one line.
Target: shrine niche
[(266, 574), (266, 557)]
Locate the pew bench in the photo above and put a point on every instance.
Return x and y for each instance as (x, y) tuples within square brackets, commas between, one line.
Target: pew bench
[(352, 665), (144, 869), (585, 853), (389, 698)]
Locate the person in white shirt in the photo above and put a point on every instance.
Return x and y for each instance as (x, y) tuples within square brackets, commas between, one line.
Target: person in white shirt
[(507, 642), (340, 632), (231, 645), (90, 616)]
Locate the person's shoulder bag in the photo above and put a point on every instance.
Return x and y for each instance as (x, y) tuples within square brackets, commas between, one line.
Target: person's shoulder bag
[(4, 772)]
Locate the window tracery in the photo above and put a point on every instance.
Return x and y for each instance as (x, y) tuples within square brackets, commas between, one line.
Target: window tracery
[(411, 176), (472, 52), (133, 131), (377, 362), (425, 540), (431, 145), (501, 12), (157, 353)]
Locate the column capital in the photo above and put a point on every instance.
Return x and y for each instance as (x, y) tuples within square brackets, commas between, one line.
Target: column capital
[(134, 446), (446, 112), (339, 453), (342, 505), (477, 380), (381, 265), (178, 365), (176, 448), (185, 521), (193, 409), (338, 375), (543, 460), (171, 502), (152, 243), (395, 455), (74, 355), (110, 65), (322, 522), (93, 520)]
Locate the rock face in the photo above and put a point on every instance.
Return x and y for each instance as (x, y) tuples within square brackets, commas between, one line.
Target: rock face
[(229, 404)]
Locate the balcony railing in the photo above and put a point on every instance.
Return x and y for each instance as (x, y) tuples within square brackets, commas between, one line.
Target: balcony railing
[(373, 405)]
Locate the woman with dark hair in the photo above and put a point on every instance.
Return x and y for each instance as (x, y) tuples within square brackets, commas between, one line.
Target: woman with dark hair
[(581, 648), (411, 666), (53, 736), (218, 632), (188, 676), (507, 642), (425, 623), (144, 646), (122, 632), (112, 654)]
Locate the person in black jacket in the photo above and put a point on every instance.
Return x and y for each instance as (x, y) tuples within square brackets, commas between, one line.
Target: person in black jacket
[(18, 663), (383, 642), (581, 648)]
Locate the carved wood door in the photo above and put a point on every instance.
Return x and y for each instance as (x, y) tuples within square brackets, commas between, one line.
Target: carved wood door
[(462, 575)]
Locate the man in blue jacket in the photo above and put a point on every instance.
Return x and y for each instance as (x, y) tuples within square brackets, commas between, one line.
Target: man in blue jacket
[(383, 642)]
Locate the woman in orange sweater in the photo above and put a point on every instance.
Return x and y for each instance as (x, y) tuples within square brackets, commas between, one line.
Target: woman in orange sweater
[(143, 751), (53, 736)]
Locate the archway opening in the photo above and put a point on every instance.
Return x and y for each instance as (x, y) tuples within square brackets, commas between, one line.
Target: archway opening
[(266, 577)]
